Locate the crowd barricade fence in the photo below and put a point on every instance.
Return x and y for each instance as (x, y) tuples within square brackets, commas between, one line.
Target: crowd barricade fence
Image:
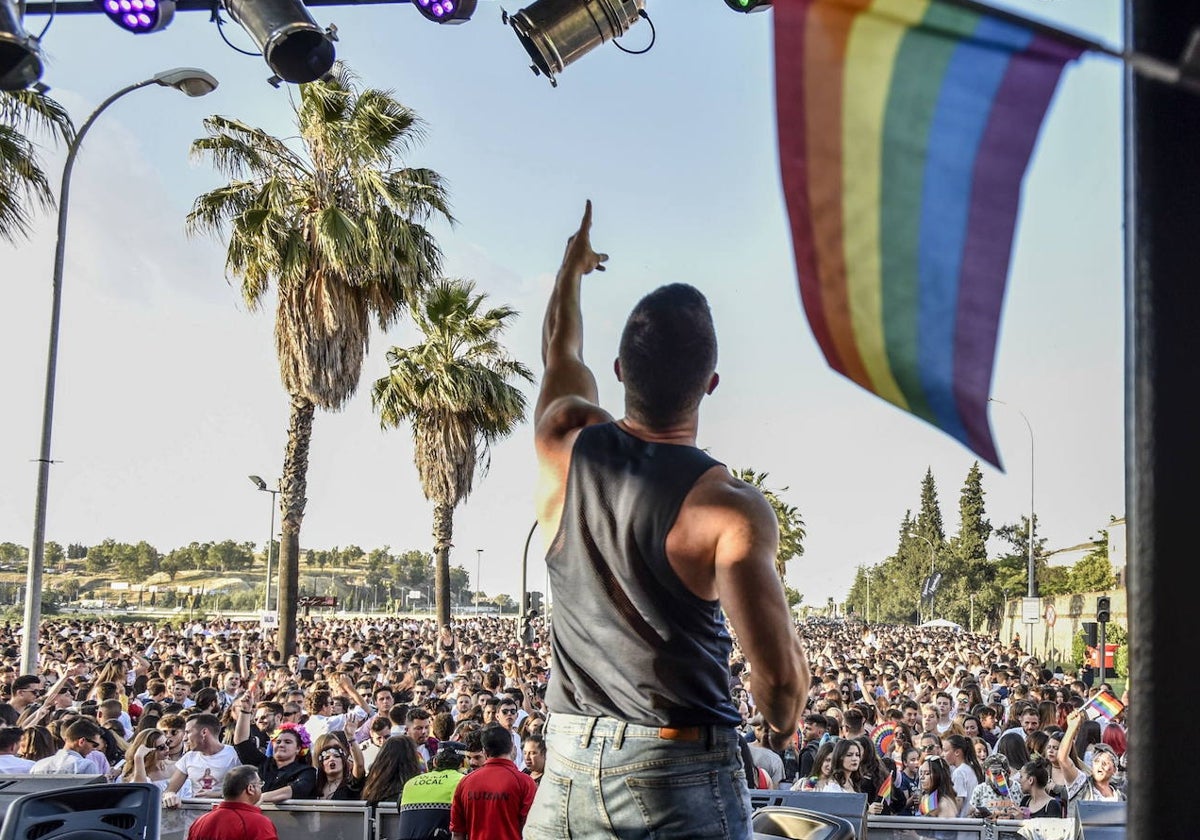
[(334, 820)]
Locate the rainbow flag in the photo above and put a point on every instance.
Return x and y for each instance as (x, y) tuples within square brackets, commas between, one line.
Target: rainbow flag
[(885, 738), (1000, 781), (928, 804), (885, 789), (1103, 705), (905, 127)]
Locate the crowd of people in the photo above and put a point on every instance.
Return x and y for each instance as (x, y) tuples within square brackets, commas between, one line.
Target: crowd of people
[(924, 721)]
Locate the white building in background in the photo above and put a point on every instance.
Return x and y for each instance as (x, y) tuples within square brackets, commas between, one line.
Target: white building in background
[(1117, 554)]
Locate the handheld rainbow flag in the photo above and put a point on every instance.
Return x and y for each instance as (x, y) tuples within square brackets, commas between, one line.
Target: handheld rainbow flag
[(1103, 705), (1000, 781), (885, 789), (905, 127), (884, 738), (928, 804)]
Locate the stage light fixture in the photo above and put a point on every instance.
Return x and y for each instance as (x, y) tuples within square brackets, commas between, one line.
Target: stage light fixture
[(139, 16), (293, 45), (556, 33), (20, 54), (446, 11), (747, 6)]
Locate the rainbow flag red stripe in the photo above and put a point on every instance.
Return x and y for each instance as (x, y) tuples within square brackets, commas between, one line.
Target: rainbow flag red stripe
[(905, 127), (1103, 705), (885, 789)]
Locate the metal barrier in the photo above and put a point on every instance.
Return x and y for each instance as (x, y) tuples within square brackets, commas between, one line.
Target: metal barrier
[(329, 820), (295, 819)]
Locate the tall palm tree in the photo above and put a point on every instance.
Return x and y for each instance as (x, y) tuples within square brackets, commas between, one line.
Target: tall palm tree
[(455, 389), (791, 525), (337, 226), (22, 181)]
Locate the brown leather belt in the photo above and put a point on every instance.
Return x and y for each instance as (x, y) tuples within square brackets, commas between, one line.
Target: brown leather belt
[(683, 733)]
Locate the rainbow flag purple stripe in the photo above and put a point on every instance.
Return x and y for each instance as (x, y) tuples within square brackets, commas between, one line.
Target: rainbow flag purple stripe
[(905, 128), (1103, 705)]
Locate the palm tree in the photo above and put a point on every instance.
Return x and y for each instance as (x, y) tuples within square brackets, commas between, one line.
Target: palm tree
[(22, 181), (455, 390), (338, 228)]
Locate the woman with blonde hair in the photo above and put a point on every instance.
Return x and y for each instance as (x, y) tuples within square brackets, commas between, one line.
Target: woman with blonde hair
[(146, 760)]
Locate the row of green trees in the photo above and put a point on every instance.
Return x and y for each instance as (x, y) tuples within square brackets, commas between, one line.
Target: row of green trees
[(972, 581)]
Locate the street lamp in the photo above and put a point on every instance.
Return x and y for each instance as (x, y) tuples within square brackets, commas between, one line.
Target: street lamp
[(1032, 593), (932, 550), (193, 82), (262, 485), (478, 564)]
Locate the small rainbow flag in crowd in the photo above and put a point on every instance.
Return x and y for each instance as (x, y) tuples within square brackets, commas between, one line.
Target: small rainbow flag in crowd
[(929, 804), (1103, 705), (905, 128), (885, 789), (885, 738), (1001, 782)]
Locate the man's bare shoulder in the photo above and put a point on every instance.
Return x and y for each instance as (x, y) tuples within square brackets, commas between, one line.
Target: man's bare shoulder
[(560, 423), (720, 492)]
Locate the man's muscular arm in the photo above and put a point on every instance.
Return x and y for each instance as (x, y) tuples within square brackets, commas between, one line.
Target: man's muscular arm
[(562, 330), (753, 598)]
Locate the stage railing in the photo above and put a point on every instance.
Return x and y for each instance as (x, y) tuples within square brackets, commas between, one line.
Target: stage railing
[(329, 820)]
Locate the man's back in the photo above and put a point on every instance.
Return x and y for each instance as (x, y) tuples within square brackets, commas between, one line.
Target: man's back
[(491, 803), (233, 821), (425, 803)]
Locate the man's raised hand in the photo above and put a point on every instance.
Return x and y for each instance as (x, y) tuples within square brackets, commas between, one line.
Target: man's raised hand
[(579, 255)]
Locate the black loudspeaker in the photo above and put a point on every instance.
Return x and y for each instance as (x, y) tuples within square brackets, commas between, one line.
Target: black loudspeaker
[(91, 812)]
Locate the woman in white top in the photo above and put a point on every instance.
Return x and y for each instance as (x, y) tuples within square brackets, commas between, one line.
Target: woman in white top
[(146, 760), (847, 759)]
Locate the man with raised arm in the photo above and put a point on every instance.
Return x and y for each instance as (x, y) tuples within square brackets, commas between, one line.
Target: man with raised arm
[(649, 540)]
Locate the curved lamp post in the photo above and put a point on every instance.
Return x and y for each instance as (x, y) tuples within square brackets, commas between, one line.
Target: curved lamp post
[(262, 485), (193, 82), (932, 551), (1032, 593)]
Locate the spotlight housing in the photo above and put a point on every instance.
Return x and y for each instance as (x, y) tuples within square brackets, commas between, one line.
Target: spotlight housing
[(747, 6), (20, 54), (556, 33), (139, 16), (446, 11), (295, 48)]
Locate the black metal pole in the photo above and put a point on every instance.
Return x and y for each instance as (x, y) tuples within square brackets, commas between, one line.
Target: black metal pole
[(1162, 447)]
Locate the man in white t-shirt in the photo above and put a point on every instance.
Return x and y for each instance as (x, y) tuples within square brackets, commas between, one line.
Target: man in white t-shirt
[(204, 764)]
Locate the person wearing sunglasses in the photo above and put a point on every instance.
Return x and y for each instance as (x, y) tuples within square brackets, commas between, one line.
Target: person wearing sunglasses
[(146, 760), (237, 815), (340, 770), (81, 738), (285, 772)]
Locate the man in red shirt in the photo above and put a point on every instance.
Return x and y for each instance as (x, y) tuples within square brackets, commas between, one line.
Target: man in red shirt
[(237, 816), (492, 802)]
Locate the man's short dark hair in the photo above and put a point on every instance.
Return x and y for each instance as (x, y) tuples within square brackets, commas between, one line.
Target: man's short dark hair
[(10, 737), (237, 780), (206, 721), (25, 681), (668, 354), (417, 713), (817, 719), (82, 728), (497, 741)]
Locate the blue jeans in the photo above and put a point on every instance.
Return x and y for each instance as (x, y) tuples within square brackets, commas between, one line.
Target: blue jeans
[(606, 778)]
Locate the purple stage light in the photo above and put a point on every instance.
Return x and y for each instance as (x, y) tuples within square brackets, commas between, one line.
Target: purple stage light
[(446, 11), (139, 16)]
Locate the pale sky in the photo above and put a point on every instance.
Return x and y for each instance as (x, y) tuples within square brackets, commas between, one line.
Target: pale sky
[(168, 389)]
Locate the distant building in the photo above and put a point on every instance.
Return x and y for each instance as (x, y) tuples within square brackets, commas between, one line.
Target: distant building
[(1117, 554)]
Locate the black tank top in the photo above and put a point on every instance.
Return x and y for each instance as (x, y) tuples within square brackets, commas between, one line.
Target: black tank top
[(630, 641)]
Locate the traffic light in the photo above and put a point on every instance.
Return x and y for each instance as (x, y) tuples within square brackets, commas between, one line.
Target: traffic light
[(1103, 609), (537, 601), (528, 602), (748, 6), (1090, 637)]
